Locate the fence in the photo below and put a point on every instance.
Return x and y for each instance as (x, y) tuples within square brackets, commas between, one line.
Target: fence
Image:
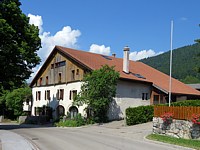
[(179, 112)]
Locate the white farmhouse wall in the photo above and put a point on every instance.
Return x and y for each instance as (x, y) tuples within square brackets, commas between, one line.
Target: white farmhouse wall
[(128, 94), (53, 102)]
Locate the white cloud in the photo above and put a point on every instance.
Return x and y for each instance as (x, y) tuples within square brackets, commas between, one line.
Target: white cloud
[(66, 37), (36, 20), (143, 54), (100, 49)]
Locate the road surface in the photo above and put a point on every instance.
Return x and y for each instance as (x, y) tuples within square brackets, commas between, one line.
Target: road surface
[(96, 137)]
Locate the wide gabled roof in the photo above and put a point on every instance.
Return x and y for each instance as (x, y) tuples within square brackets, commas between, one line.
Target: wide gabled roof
[(138, 70)]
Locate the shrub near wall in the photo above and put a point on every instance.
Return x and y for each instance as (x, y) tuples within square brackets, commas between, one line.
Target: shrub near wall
[(137, 115), (187, 103), (183, 103)]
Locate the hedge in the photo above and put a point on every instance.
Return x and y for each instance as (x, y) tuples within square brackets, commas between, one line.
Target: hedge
[(187, 103), (138, 115), (184, 103)]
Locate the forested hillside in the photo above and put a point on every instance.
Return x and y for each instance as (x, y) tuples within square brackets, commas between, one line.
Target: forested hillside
[(186, 63)]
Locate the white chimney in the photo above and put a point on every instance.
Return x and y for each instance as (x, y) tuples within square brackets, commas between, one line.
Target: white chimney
[(126, 59)]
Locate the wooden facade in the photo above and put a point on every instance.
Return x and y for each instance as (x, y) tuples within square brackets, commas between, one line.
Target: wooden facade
[(59, 70)]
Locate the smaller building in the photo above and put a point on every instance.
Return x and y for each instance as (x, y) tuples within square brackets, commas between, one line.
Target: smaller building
[(195, 86)]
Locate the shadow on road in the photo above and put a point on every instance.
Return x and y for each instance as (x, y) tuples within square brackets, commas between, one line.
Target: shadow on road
[(11, 126)]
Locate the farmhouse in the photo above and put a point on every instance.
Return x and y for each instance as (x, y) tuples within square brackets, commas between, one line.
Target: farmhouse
[(59, 80)]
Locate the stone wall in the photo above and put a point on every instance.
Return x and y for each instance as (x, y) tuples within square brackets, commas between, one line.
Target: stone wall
[(177, 128)]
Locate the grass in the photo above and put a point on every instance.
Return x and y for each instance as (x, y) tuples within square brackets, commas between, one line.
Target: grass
[(171, 140)]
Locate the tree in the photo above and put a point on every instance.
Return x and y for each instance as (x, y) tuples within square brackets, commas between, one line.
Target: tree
[(98, 90), (19, 43), (14, 100), (190, 80)]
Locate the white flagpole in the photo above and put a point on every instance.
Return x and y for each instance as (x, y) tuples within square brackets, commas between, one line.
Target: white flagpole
[(170, 71)]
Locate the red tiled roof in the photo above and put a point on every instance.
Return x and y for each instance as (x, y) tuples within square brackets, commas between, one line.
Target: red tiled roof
[(159, 79)]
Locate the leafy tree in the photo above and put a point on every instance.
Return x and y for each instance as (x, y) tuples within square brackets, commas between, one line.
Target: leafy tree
[(19, 43), (97, 91), (191, 80), (15, 99), (3, 102)]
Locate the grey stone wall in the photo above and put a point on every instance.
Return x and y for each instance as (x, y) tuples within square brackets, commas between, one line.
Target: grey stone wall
[(177, 128)]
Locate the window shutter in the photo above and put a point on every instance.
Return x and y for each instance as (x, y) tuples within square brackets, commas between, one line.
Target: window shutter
[(48, 94), (146, 96), (61, 93), (45, 95), (57, 95), (70, 95)]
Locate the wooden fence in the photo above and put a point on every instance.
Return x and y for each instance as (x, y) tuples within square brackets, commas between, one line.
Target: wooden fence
[(179, 112)]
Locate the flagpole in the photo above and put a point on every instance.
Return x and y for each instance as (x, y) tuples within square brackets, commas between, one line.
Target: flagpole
[(170, 70)]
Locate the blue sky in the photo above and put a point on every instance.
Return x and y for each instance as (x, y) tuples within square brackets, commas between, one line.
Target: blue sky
[(106, 26)]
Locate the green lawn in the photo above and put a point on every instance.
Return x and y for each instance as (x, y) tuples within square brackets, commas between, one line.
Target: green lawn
[(181, 142)]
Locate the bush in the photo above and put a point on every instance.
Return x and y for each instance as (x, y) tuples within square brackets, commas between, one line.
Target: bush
[(187, 103), (75, 122), (183, 103), (138, 115)]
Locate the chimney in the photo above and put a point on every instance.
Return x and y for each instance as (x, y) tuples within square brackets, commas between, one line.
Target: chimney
[(126, 59), (113, 55)]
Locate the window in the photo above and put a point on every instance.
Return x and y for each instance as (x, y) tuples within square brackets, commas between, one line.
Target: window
[(60, 110), (38, 95), (144, 96), (40, 81), (35, 110), (77, 72), (60, 94), (73, 75), (156, 99), (72, 94), (59, 77), (73, 111), (138, 75), (47, 95), (47, 80), (52, 66), (27, 101), (58, 64), (106, 57)]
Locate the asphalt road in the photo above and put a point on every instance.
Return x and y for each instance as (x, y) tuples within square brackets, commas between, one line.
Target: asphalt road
[(96, 137)]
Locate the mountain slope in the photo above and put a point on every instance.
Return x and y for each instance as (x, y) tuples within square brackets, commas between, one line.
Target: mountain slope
[(185, 63)]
